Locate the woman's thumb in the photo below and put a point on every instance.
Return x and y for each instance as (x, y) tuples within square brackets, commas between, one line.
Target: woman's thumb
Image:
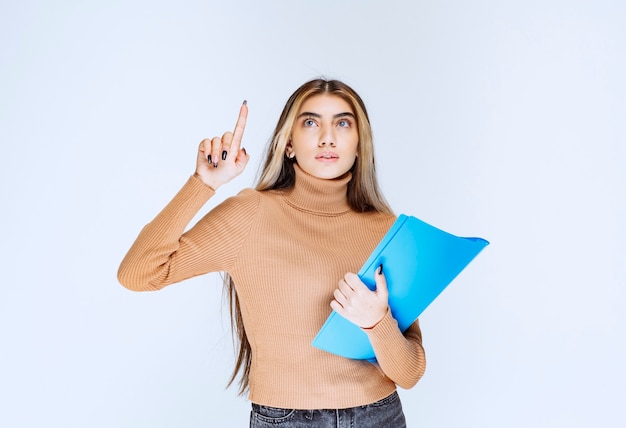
[(381, 282), (242, 158)]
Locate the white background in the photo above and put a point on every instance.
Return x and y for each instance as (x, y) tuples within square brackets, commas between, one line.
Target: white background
[(497, 119)]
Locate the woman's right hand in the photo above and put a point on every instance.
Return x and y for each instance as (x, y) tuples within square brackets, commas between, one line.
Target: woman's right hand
[(220, 159)]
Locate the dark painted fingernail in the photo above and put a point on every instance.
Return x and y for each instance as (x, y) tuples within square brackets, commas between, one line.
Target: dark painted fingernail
[(245, 102), (209, 158), (215, 165), (380, 269), (244, 150), (224, 154)]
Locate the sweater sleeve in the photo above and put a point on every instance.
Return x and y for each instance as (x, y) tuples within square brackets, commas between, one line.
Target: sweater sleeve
[(400, 355), (162, 254)]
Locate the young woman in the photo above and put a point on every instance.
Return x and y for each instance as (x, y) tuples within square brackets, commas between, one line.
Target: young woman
[(289, 248)]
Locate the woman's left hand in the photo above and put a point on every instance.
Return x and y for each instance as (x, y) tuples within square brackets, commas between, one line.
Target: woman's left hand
[(357, 303)]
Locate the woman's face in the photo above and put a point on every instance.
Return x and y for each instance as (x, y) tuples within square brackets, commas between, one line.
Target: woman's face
[(324, 137)]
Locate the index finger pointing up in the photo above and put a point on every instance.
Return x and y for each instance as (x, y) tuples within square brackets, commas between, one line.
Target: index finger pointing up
[(240, 126)]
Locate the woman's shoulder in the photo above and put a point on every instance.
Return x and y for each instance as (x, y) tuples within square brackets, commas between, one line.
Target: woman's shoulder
[(377, 221), (247, 200), (253, 199), (257, 196), (248, 193), (380, 216)]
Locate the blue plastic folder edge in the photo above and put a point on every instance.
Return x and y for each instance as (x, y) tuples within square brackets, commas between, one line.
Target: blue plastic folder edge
[(341, 337)]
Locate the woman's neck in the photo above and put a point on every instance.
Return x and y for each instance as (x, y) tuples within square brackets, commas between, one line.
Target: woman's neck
[(319, 195)]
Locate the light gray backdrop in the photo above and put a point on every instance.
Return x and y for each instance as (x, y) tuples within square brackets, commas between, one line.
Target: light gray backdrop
[(497, 119)]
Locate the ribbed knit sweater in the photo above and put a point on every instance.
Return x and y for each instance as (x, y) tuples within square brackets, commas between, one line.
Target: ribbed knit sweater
[(286, 251)]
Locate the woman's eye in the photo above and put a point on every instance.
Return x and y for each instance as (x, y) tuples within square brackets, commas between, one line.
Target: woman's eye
[(344, 123), (309, 122)]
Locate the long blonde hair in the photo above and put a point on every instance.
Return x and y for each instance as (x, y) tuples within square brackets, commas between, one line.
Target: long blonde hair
[(278, 173)]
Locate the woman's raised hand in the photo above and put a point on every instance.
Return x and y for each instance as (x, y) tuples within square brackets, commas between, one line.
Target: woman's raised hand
[(220, 159)]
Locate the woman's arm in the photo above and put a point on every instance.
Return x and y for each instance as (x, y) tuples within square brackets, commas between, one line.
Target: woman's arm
[(400, 356), (147, 265), (162, 254)]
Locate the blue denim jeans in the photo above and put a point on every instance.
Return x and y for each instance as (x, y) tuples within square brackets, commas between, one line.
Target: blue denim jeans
[(386, 413)]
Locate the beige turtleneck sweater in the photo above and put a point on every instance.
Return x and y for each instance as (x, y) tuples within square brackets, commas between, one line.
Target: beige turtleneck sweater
[(286, 251)]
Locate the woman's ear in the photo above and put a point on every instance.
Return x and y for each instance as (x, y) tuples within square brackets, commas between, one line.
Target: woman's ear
[(289, 150)]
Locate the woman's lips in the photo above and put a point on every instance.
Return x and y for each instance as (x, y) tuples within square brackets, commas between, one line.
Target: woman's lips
[(327, 157)]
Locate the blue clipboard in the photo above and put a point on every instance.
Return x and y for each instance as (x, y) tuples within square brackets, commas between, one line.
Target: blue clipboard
[(419, 261)]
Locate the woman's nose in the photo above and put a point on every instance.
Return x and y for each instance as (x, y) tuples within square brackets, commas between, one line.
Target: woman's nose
[(327, 139)]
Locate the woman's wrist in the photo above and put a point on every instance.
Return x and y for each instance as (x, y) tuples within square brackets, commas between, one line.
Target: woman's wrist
[(377, 322), (210, 185)]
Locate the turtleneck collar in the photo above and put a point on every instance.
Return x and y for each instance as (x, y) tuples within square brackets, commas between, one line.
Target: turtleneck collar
[(319, 195)]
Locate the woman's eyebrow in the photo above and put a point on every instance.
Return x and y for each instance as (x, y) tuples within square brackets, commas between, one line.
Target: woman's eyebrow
[(308, 113), (319, 116)]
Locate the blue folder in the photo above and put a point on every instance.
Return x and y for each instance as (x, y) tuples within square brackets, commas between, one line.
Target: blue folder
[(419, 261)]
